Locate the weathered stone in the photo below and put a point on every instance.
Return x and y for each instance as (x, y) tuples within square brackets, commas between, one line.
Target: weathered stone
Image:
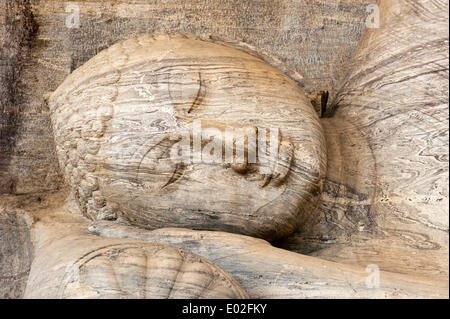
[(71, 264), (384, 203), (15, 253), (163, 87)]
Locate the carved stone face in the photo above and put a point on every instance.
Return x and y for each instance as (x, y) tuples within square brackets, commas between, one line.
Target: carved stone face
[(118, 118)]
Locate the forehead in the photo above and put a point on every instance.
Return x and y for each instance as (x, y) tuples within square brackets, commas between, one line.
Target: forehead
[(170, 68), (206, 80)]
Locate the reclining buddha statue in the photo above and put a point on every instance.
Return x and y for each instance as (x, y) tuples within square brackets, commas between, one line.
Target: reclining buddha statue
[(198, 168)]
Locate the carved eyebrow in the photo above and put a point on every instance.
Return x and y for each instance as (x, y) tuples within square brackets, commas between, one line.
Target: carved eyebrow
[(176, 175), (200, 94), (161, 142)]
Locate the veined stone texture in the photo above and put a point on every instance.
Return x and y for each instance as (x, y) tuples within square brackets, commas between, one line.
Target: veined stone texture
[(116, 117), (384, 204), (69, 263)]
